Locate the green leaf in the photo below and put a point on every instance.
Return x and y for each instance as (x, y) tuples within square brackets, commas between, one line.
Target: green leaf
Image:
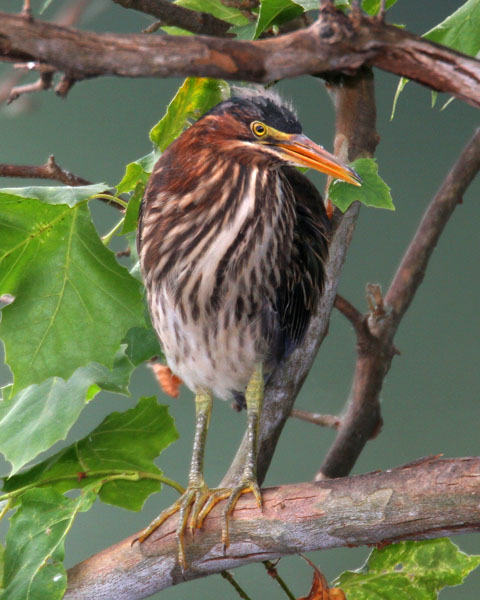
[(459, 31), (135, 179), (400, 87), (194, 97), (230, 14), (308, 4), (373, 191), (130, 222), (45, 5), (73, 302), (42, 414), (245, 32), (408, 571), (372, 7), (71, 196), (36, 544), (134, 174), (142, 344), (275, 12), (127, 441)]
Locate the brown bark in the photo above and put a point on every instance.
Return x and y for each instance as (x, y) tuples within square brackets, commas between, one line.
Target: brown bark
[(430, 498), (50, 170), (333, 43)]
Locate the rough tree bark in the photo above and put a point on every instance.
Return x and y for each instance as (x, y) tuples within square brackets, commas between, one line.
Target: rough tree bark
[(334, 43), (375, 508)]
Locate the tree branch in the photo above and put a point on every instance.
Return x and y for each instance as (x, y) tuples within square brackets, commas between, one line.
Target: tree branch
[(179, 16), (375, 341), (430, 498), (50, 170), (334, 43)]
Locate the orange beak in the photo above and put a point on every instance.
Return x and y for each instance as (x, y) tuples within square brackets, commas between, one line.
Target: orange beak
[(301, 151)]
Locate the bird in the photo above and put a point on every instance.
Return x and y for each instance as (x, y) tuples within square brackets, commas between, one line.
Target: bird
[(232, 243)]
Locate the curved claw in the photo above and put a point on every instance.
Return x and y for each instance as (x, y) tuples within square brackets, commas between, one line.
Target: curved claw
[(188, 505), (215, 497), (246, 486), (194, 505)]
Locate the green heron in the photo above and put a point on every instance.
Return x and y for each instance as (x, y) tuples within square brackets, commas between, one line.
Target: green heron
[(232, 242)]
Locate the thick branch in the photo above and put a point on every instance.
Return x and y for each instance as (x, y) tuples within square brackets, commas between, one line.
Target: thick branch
[(430, 498), (375, 341), (179, 16), (333, 43)]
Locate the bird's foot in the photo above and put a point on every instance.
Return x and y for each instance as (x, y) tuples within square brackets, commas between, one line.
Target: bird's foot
[(189, 506), (248, 484), (194, 505)]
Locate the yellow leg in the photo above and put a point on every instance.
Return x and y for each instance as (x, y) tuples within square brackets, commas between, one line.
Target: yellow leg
[(198, 500), (197, 493), (248, 482)]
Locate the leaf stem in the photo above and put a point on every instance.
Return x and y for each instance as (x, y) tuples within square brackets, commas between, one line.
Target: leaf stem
[(110, 198), (110, 475), (106, 239), (6, 508)]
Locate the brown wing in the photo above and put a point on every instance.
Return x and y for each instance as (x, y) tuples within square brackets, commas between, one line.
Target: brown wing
[(304, 280)]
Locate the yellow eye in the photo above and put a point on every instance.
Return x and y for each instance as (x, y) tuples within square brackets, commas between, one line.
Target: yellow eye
[(258, 128)]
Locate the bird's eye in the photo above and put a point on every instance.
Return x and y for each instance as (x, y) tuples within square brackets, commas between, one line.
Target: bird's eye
[(258, 128)]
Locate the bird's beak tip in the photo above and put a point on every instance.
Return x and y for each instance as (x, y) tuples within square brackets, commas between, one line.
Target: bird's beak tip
[(303, 152), (356, 179)]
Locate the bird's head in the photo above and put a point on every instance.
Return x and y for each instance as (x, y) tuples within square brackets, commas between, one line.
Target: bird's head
[(258, 127)]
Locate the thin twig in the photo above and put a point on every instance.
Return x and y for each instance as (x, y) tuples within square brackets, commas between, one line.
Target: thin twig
[(331, 421), (272, 571), (351, 313), (234, 583), (44, 82), (50, 170), (64, 86), (153, 27), (13, 79)]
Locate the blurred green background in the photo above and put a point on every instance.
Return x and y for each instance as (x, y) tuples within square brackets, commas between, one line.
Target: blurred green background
[(430, 400)]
